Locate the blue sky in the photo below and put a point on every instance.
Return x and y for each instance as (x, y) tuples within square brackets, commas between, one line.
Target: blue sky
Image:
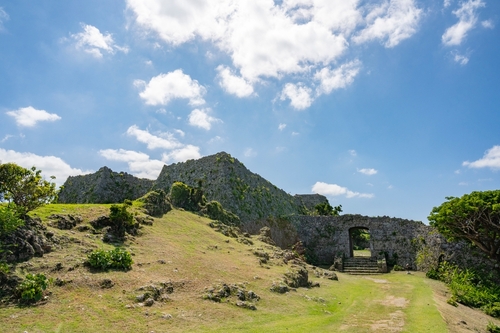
[(384, 106)]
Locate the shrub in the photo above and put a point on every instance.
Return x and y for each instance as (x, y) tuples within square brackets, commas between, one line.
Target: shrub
[(432, 274), (31, 289), (104, 260), (215, 211), (398, 268), (9, 220), (121, 220), (492, 328), (186, 197)]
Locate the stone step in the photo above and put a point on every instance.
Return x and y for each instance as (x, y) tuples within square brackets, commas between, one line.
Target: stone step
[(361, 266)]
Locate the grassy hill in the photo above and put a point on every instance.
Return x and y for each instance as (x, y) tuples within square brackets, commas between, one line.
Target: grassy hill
[(182, 252)]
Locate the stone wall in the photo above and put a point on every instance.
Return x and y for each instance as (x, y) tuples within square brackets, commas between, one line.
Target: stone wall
[(237, 189), (326, 237), (103, 186)]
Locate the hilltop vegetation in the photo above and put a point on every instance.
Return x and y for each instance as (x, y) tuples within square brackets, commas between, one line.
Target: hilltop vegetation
[(220, 177)]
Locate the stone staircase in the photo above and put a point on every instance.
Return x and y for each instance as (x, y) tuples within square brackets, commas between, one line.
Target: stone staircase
[(361, 266)]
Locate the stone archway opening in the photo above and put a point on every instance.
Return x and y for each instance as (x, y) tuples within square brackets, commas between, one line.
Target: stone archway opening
[(359, 242)]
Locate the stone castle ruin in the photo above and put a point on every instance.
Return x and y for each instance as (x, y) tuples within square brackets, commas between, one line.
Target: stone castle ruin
[(258, 203)]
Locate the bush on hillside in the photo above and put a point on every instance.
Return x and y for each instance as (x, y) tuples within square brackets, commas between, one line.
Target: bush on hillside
[(9, 220), (31, 289), (214, 210), (469, 287), (114, 259), (121, 220), (156, 203)]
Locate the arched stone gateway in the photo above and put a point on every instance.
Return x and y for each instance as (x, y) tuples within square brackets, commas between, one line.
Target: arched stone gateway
[(330, 237)]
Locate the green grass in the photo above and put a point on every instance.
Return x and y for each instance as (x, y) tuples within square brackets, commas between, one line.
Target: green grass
[(198, 257)]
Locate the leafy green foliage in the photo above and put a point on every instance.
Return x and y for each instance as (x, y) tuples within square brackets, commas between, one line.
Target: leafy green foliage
[(115, 259), (215, 211), (326, 209), (469, 287), (121, 219), (9, 220), (186, 197), (31, 289), (360, 239), (473, 217), (25, 188), (492, 328), (156, 203)]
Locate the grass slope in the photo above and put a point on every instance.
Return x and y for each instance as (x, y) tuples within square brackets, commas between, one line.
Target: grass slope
[(183, 249)]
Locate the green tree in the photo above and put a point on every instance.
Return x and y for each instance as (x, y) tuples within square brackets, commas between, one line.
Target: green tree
[(25, 188), (474, 217), (326, 209)]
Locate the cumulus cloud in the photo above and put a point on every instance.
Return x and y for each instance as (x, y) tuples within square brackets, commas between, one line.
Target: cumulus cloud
[(29, 116), (178, 152), (167, 141), (281, 126), (183, 154), (3, 17), (337, 78), (201, 118), (368, 172), (352, 152), (491, 159), (460, 59), (161, 89), (467, 19), (139, 163), (391, 22), (93, 42), (276, 39), (298, 94), (233, 84), (488, 24), (336, 190), (50, 165)]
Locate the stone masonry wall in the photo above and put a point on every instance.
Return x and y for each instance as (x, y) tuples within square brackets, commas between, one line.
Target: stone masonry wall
[(328, 236)]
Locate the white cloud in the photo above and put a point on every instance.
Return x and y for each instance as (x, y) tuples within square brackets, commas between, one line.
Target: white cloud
[(392, 22), (182, 154), (281, 126), (233, 84), (337, 78), (276, 39), (491, 159), (50, 165), (180, 132), (352, 152), (3, 17), (299, 95), (446, 3), (467, 19), (5, 138), (163, 88), (92, 41), (368, 172), (201, 118), (249, 152), (215, 139), (167, 141), (29, 116), (139, 163), (461, 59), (336, 190), (488, 24)]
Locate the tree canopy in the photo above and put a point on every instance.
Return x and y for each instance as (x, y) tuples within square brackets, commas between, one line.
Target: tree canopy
[(25, 188), (326, 209), (474, 217)]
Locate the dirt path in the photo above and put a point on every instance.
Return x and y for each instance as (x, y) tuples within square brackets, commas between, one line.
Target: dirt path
[(460, 319)]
